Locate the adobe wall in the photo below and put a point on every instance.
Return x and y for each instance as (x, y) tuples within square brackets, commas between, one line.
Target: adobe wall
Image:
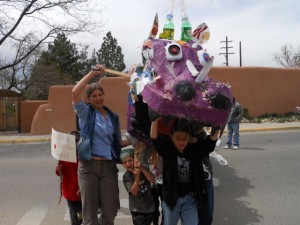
[(58, 112), (260, 90), (28, 110)]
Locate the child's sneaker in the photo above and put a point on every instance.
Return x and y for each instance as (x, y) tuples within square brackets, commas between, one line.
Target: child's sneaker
[(227, 147), (235, 147)]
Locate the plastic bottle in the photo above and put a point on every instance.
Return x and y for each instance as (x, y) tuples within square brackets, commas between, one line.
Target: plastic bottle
[(168, 30), (186, 30)]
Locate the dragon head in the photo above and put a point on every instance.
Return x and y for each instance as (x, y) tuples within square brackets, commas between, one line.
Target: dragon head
[(173, 82)]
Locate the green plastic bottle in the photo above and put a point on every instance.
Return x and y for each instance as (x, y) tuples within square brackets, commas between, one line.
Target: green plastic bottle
[(186, 30), (168, 30)]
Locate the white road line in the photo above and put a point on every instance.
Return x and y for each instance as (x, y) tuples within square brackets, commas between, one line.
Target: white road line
[(34, 216)]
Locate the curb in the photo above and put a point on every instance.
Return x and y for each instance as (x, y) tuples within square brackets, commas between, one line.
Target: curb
[(29, 139), (18, 141), (267, 129)]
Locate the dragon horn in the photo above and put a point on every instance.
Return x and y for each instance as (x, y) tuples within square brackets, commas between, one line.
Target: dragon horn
[(154, 29)]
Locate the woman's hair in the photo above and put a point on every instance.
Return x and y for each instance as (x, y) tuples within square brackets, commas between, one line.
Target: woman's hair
[(182, 125), (92, 87)]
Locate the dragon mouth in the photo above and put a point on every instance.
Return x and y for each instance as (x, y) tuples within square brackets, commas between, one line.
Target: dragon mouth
[(198, 109)]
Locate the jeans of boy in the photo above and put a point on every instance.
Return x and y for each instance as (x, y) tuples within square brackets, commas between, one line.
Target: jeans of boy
[(206, 218), (185, 208), (142, 218), (233, 131), (75, 207)]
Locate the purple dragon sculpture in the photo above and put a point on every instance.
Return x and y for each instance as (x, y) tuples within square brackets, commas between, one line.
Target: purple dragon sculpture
[(173, 82)]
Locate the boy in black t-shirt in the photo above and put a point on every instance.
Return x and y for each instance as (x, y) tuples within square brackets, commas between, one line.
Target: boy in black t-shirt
[(184, 186)]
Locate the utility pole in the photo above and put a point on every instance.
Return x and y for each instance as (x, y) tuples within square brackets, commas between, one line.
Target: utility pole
[(226, 50), (240, 54)]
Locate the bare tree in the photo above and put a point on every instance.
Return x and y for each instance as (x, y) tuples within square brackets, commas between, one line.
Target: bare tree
[(288, 57), (26, 25)]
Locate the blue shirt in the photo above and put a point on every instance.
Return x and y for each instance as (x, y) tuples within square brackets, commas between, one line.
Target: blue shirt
[(102, 144)]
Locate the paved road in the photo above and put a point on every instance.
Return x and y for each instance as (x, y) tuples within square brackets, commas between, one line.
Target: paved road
[(14, 137), (260, 185)]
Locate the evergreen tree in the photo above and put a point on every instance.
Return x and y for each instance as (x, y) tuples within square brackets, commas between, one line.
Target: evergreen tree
[(43, 76), (63, 55), (59, 65), (110, 54)]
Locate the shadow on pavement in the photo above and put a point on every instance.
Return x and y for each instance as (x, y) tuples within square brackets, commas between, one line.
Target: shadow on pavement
[(230, 209)]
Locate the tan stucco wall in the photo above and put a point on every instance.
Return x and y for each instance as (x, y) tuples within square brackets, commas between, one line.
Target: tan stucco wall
[(28, 110), (58, 113), (260, 90)]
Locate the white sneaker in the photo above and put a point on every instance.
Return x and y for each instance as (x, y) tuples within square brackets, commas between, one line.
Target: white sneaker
[(235, 147), (227, 147)]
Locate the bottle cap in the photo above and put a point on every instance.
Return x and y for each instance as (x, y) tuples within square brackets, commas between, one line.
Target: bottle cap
[(169, 16)]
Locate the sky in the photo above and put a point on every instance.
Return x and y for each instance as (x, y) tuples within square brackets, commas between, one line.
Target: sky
[(262, 26)]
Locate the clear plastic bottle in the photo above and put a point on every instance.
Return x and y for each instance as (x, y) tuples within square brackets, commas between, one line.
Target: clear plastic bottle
[(186, 30), (168, 30)]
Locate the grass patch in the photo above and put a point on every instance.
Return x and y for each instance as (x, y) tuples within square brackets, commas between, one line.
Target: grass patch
[(273, 117)]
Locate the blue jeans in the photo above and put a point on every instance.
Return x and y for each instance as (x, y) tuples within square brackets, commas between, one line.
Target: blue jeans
[(233, 131), (185, 208)]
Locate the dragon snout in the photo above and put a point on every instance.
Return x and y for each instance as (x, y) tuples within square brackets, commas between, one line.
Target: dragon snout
[(184, 90), (220, 101)]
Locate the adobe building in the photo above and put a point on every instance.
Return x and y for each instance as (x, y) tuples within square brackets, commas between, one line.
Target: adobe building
[(261, 90)]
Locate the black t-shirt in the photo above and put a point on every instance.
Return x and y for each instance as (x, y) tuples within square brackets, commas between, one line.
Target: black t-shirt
[(184, 174)]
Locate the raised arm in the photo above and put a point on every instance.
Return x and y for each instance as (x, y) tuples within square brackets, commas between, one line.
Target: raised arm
[(84, 81), (154, 128), (214, 134)]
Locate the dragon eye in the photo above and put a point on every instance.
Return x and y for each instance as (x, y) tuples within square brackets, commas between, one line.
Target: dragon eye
[(173, 51), (203, 57)]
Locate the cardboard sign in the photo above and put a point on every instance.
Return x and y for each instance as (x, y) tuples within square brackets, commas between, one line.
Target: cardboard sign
[(63, 146)]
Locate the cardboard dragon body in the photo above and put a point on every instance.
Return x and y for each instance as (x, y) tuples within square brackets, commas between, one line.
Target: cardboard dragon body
[(173, 82)]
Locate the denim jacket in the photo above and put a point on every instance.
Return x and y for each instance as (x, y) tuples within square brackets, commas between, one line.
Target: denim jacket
[(89, 128)]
